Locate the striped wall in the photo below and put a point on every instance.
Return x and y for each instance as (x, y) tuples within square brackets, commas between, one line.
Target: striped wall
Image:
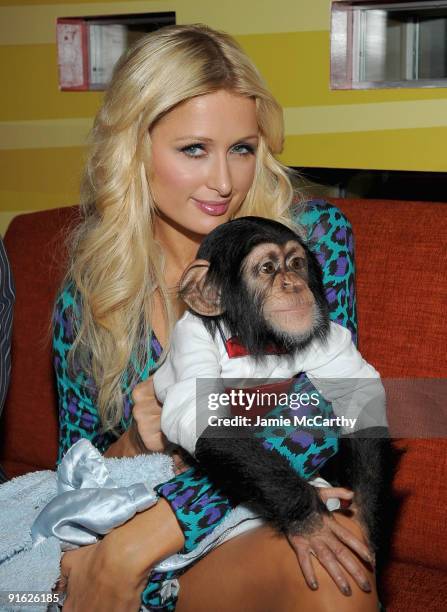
[(43, 130)]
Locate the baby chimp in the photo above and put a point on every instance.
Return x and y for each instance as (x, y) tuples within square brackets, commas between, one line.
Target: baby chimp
[(258, 311)]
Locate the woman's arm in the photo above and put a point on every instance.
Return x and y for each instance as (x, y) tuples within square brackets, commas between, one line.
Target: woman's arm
[(78, 414), (330, 236), (111, 574), (197, 507)]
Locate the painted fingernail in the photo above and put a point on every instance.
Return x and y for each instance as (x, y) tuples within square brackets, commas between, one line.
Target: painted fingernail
[(346, 589), (314, 586), (366, 587)]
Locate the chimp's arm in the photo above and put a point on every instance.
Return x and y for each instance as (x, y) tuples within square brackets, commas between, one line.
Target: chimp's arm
[(364, 463), (247, 472)]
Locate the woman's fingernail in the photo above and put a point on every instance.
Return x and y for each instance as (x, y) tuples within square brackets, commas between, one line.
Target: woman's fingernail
[(346, 589), (314, 586), (366, 587)]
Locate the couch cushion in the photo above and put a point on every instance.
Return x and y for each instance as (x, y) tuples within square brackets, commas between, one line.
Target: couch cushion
[(420, 486), (413, 588), (35, 244), (401, 261)]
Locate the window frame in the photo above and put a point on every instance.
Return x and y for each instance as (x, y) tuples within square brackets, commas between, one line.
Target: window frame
[(346, 44)]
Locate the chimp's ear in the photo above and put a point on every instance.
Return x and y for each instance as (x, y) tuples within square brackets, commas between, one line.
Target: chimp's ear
[(201, 296)]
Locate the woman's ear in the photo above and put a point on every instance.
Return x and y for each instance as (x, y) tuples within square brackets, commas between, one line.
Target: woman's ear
[(201, 296)]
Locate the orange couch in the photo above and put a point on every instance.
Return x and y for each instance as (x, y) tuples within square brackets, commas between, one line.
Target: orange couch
[(402, 294)]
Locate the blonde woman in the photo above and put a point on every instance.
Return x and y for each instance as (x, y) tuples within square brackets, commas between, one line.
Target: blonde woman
[(185, 140)]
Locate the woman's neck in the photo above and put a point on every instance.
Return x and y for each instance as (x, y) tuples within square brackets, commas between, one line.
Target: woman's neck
[(179, 246)]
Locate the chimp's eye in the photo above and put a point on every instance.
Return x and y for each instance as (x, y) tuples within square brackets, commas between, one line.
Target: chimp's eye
[(297, 264), (268, 268)]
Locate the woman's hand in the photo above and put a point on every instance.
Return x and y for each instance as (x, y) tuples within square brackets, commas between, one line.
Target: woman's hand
[(147, 416), (147, 424), (96, 580), (144, 434), (111, 574), (127, 445), (333, 545)]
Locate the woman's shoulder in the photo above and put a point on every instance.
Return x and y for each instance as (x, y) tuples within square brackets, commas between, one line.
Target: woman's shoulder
[(67, 294), (313, 210), (68, 302), (321, 220)]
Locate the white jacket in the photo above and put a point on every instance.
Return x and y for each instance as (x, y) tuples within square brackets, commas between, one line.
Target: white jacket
[(336, 369)]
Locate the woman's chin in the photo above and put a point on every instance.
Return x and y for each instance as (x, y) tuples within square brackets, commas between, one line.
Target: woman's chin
[(208, 223)]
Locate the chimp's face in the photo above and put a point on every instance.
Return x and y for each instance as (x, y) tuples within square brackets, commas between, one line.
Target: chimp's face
[(277, 277)]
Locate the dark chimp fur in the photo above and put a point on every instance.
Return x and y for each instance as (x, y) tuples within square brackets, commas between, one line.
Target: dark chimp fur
[(248, 473), (225, 248), (366, 462)]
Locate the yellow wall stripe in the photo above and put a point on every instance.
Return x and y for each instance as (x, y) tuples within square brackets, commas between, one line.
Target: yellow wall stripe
[(305, 120), (33, 90), (365, 117), (380, 150), (35, 24), (44, 134), (257, 16), (40, 178)]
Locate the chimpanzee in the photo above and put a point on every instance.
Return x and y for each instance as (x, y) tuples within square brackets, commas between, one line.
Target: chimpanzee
[(256, 286)]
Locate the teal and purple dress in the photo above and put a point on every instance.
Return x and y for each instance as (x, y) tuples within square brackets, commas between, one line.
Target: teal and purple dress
[(198, 506)]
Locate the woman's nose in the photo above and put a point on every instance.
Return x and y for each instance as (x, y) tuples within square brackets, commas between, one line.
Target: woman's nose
[(219, 177)]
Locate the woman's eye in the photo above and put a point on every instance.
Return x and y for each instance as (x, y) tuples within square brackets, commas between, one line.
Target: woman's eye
[(268, 268), (243, 149), (198, 150), (194, 150)]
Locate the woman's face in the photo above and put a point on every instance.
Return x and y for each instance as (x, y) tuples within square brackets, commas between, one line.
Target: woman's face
[(203, 160)]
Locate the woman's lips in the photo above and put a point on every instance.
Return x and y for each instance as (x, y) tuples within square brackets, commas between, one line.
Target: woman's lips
[(212, 208)]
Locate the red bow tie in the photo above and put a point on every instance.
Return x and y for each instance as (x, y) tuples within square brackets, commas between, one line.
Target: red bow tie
[(236, 349)]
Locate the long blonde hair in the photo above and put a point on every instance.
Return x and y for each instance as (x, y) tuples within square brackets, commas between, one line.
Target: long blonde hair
[(116, 265)]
